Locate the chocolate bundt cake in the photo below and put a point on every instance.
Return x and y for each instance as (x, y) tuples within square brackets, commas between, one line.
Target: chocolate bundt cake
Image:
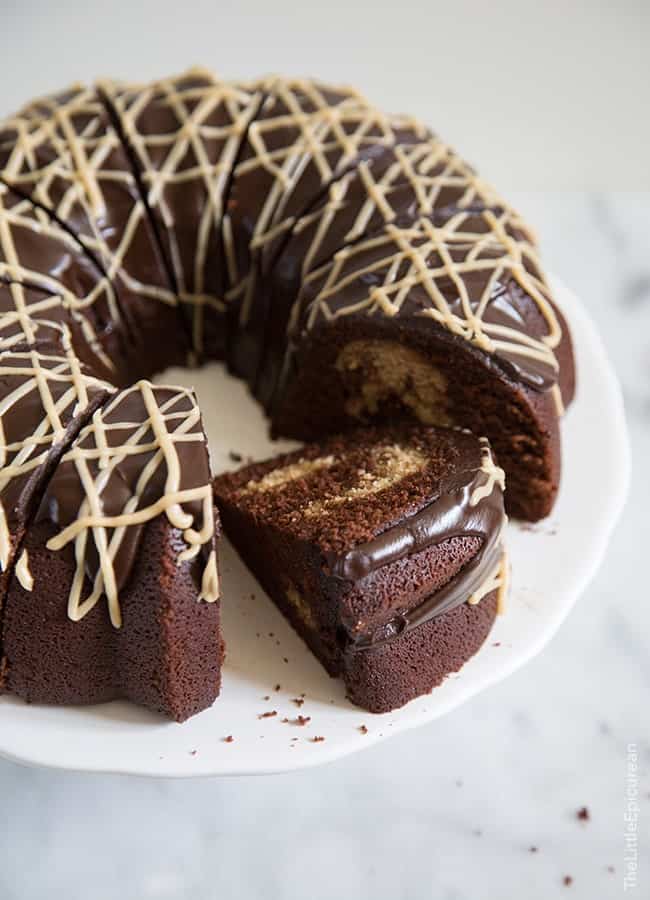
[(383, 548), (347, 263)]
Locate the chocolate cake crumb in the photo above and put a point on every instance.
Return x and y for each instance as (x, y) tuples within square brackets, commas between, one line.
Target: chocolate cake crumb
[(266, 697), (298, 701), (611, 869), (268, 715), (567, 880), (583, 814), (300, 720), (363, 729), (317, 739), (497, 644), (228, 739), (285, 659), (285, 721), (277, 687), (193, 752), (533, 849), (234, 456)]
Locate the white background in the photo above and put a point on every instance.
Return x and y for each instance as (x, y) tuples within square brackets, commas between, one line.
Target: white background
[(546, 94), (551, 99)]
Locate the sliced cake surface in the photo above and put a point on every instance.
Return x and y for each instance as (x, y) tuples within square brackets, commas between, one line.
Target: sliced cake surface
[(383, 548)]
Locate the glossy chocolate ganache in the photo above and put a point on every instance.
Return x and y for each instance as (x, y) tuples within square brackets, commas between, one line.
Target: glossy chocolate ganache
[(470, 505)]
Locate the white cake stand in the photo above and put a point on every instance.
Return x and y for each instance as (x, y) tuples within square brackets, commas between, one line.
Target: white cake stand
[(552, 564)]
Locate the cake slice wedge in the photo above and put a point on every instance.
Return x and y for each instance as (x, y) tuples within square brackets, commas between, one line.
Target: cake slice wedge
[(120, 595), (383, 548)]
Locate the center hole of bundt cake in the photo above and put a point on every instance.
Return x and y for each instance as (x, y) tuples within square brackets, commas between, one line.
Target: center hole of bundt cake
[(381, 371)]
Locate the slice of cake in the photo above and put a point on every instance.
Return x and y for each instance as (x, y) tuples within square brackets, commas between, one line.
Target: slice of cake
[(118, 596), (383, 548)]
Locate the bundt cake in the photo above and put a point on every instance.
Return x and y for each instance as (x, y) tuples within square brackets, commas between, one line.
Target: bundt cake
[(383, 548), (346, 263)]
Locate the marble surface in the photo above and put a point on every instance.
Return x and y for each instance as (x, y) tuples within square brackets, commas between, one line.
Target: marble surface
[(452, 810), (449, 811)]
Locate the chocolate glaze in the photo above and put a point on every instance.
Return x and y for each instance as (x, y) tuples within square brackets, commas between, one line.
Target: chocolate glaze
[(451, 515)]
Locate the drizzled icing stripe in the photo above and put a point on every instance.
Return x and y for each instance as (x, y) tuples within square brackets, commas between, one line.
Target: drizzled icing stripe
[(498, 580), (23, 573), (494, 476), (5, 540)]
